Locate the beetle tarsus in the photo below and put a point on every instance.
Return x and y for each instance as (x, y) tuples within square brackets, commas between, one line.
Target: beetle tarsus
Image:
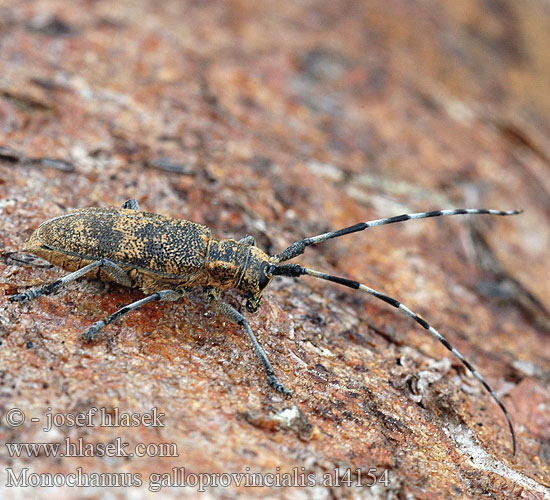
[(248, 240), (281, 388), (35, 292), (130, 204), (94, 330), (21, 297)]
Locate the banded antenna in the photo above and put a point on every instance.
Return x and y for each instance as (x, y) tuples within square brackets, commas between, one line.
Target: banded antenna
[(295, 270)]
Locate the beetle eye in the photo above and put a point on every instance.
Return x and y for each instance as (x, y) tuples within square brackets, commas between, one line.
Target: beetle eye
[(264, 280)]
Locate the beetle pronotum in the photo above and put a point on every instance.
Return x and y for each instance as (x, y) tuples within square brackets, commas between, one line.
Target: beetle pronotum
[(165, 257)]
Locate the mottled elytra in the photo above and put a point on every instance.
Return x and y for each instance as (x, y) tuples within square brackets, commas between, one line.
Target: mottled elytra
[(165, 257)]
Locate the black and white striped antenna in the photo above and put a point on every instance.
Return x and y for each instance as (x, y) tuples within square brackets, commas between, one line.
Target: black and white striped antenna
[(295, 270)]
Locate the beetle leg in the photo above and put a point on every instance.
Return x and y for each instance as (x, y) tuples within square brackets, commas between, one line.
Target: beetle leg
[(51, 287), (162, 295), (130, 204), (235, 316), (248, 240), (114, 271)]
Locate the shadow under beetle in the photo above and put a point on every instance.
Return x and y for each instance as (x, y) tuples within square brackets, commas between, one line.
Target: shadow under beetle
[(165, 257)]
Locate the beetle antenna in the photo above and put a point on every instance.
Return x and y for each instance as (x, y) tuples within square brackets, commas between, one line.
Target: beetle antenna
[(298, 247), (296, 270)]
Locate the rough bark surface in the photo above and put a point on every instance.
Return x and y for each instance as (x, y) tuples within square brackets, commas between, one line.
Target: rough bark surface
[(285, 120)]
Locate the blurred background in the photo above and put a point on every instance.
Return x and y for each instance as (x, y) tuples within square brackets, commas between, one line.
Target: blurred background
[(285, 120)]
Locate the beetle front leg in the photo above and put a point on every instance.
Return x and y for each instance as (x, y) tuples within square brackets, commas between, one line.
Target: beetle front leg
[(168, 295), (235, 316)]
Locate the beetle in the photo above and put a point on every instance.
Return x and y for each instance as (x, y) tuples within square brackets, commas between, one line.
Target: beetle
[(166, 257)]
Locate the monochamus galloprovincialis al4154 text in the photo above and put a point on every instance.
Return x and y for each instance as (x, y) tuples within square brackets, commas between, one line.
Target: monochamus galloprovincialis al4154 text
[(165, 257)]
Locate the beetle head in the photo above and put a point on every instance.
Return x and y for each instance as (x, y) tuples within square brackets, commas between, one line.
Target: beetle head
[(255, 278)]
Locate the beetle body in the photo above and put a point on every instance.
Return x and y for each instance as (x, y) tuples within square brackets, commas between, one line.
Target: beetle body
[(155, 251), (165, 257)]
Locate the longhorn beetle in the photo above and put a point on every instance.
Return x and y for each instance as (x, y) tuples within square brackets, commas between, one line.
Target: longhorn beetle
[(165, 257)]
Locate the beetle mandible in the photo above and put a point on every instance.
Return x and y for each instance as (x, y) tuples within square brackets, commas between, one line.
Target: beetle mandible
[(165, 257)]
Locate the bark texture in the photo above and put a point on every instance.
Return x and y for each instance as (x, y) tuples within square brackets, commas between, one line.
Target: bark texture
[(284, 120)]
